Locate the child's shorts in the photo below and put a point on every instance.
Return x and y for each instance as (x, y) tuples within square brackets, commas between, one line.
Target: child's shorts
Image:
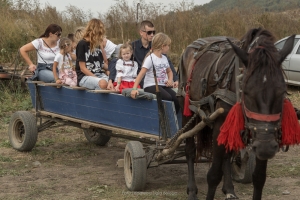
[(92, 82)]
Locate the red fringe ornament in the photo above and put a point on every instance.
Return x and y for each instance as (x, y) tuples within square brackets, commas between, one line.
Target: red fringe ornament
[(230, 130), (289, 125), (186, 110)]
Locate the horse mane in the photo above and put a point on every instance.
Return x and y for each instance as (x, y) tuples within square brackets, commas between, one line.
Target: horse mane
[(263, 55)]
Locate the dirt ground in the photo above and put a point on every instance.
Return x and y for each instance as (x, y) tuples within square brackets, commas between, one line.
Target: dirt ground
[(63, 165)]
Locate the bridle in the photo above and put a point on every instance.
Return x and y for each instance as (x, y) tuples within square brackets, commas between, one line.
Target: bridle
[(264, 126)]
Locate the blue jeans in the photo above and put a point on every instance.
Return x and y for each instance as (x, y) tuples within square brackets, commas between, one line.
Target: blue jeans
[(44, 73)]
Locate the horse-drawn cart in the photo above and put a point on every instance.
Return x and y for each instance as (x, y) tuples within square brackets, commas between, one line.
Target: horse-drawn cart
[(103, 115)]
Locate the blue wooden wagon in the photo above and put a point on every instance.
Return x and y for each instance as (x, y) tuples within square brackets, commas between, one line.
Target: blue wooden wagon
[(102, 115)]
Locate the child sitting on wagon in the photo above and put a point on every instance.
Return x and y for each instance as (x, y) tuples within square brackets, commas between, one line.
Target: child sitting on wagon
[(63, 62), (126, 69), (164, 75)]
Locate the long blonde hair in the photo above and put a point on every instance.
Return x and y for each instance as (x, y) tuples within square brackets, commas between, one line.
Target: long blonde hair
[(63, 44), (94, 33), (159, 40)]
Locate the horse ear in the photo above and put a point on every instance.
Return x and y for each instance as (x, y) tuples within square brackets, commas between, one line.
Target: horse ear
[(240, 53), (287, 48)]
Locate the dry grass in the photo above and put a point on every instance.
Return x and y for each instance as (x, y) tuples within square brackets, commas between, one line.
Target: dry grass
[(25, 20)]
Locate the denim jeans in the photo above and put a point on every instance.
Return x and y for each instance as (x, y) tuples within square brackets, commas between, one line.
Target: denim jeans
[(92, 82), (44, 73)]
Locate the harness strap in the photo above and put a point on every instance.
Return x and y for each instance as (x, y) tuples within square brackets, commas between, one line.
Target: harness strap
[(261, 117), (223, 94)]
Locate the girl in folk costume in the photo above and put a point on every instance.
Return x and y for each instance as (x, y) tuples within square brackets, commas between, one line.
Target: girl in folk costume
[(63, 62), (126, 68), (155, 58)]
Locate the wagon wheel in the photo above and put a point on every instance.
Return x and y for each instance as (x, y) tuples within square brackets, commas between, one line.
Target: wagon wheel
[(243, 166), (135, 166), (22, 131), (97, 136)]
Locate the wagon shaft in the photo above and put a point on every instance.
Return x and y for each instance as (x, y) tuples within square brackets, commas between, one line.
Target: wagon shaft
[(189, 133)]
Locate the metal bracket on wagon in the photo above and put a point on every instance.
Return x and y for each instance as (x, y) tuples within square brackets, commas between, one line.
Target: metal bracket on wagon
[(189, 133)]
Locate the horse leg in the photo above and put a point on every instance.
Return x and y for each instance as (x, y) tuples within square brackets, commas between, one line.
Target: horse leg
[(215, 173), (190, 153), (228, 188), (259, 178)]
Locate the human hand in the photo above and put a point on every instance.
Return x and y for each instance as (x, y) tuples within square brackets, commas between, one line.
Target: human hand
[(110, 85), (169, 83), (134, 93), (175, 84), (58, 81), (117, 88), (32, 68)]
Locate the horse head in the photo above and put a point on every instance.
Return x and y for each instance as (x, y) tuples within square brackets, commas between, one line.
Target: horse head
[(264, 89)]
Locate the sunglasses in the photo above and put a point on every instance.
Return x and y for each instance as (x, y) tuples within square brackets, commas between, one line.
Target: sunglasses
[(149, 32), (58, 34)]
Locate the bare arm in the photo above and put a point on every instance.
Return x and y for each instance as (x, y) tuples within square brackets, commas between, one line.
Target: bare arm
[(55, 73), (24, 53), (119, 79), (84, 70), (169, 83)]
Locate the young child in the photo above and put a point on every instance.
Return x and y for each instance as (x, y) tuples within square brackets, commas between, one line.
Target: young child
[(89, 67), (63, 62), (155, 58), (126, 68)]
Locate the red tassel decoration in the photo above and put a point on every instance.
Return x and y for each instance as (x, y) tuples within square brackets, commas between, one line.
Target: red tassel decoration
[(186, 110), (230, 130), (289, 124)]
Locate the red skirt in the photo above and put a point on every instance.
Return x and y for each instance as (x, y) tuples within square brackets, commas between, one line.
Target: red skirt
[(124, 85)]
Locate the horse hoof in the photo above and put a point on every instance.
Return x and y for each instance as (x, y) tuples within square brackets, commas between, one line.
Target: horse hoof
[(231, 196)]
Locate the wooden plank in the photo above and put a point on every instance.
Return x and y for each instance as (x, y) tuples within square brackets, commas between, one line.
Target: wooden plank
[(102, 91), (115, 110), (75, 88), (38, 82), (53, 84), (119, 132)]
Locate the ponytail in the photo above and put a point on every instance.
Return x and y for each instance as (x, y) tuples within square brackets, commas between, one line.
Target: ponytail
[(148, 54)]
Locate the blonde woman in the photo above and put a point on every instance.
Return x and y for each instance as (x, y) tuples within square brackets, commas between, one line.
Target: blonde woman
[(164, 75), (89, 64)]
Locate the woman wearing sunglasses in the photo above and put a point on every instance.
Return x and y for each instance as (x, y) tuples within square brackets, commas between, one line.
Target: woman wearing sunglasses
[(46, 46)]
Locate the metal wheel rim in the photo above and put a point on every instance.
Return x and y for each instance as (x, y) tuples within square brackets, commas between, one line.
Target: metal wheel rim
[(19, 131), (128, 167)]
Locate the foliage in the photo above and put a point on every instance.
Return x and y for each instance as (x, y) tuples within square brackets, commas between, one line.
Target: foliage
[(24, 20), (13, 98), (264, 5)]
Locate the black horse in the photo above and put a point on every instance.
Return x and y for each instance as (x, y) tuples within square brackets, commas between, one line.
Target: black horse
[(207, 82)]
